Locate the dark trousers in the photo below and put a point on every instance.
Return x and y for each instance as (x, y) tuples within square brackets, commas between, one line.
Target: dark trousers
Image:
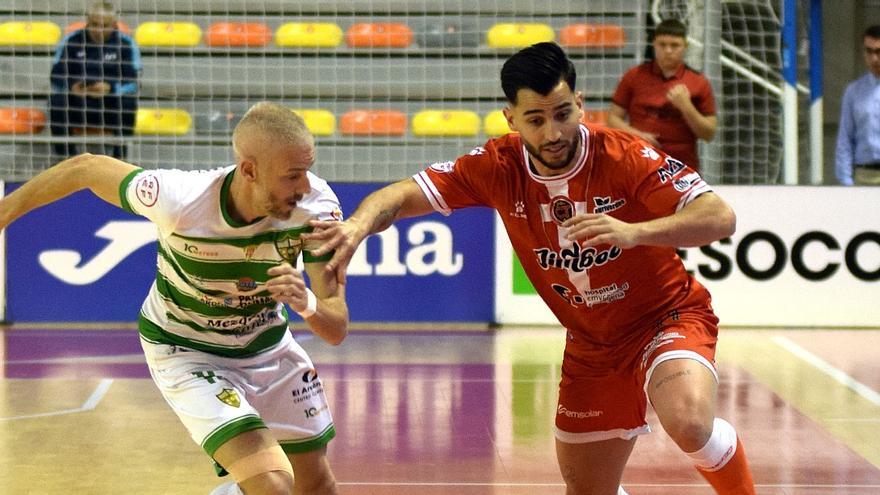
[(114, 114)]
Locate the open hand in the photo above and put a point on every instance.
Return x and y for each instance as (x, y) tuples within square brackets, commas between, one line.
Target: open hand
[(342, 237)]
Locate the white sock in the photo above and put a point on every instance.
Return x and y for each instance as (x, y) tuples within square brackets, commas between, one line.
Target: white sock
[(621, 491), (718, 450), (228, 488)]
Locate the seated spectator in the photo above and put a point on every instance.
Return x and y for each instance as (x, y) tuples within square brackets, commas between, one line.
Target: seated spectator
[(94, 81), (664, 101)]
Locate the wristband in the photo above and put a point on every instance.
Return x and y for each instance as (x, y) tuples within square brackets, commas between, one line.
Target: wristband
[(311, 304)]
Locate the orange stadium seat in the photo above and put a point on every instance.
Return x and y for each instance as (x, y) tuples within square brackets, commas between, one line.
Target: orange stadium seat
[(168, 34), (595, 117), (319, 122), (29, 33), (21, 120), (73, 26), (446, 123), (162, 121), (373, 123), (495, 124), (379, 34), (309, 34), (238, 34), (518, 35), (592, 36)]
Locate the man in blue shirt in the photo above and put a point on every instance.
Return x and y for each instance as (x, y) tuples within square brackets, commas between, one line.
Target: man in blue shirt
[(858, 139), (94, 81)]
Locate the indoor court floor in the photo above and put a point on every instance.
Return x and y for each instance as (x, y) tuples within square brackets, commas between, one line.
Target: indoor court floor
[(436, 412)]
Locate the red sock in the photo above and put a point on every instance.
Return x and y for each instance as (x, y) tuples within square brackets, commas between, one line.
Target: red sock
[(735, 478)]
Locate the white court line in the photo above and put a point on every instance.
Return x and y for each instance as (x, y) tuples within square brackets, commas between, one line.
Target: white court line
[(88, 405), (856, 386)]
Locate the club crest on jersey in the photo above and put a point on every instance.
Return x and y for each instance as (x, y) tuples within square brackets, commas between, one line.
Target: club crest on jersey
[(443, 167), (229, 397), (289, 246), (604, 204), (561, 208), (670, 168)]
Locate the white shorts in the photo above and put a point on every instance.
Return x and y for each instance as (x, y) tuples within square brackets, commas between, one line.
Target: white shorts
[(218, 398)]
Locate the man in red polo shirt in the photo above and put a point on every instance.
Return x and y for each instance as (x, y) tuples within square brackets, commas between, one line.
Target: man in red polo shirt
[(668, 104)]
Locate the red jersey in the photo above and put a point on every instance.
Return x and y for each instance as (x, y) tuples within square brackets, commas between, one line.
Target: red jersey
[(603, 295), (642, 93)]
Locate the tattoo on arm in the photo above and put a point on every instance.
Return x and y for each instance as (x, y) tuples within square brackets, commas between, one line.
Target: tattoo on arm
[(671, 377), (384, 219)]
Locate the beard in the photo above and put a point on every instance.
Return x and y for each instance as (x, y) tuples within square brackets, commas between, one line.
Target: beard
[(282, 209), (571, 145)]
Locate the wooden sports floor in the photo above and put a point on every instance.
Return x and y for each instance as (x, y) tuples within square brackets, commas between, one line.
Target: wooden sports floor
[(436, 412)]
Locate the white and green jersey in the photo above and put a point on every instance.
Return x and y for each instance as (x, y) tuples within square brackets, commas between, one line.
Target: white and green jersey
[(209, 291)]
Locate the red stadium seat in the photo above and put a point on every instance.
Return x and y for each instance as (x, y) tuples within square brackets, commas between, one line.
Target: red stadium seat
[(592, 36), (21, 120), (73, 26), (238, 34), (373, 123), (379, 34)]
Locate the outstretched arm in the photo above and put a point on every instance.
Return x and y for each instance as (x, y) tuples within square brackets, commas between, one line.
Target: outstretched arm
[(101, 174), (705, 219), (376, 213)]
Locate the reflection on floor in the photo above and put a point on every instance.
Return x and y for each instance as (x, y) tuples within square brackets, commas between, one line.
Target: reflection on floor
[(437, 413)]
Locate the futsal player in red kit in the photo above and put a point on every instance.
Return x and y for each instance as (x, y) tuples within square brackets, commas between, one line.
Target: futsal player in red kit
[(594, 215)]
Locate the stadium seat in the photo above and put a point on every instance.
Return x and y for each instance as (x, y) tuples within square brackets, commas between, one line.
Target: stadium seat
[(21, 120), (226, 34), (217, 122), (592, 36), (73, 26), (595, 117), (379, 35), (24, 33), (168, 34), (518, 35), (442, 34), (319, 122), (309, 34), (446, 123), (373, 123), (495, 124), (162, 121)]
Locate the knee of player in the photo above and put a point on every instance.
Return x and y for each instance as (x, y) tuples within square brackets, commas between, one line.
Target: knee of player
[(689, 431), (270, 483)]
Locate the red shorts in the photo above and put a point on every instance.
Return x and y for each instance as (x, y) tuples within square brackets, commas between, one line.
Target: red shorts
[(602, 392)]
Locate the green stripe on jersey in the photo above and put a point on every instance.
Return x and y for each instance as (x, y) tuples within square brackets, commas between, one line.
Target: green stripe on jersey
[(154, 333), (220, 308), (252, 240), (123, 186)]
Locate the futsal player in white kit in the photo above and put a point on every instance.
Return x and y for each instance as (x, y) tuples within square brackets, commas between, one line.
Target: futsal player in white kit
[(214, 327)]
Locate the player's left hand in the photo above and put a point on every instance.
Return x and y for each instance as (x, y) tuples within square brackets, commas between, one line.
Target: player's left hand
[(679, 96), (288, 286), (592, 229)]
